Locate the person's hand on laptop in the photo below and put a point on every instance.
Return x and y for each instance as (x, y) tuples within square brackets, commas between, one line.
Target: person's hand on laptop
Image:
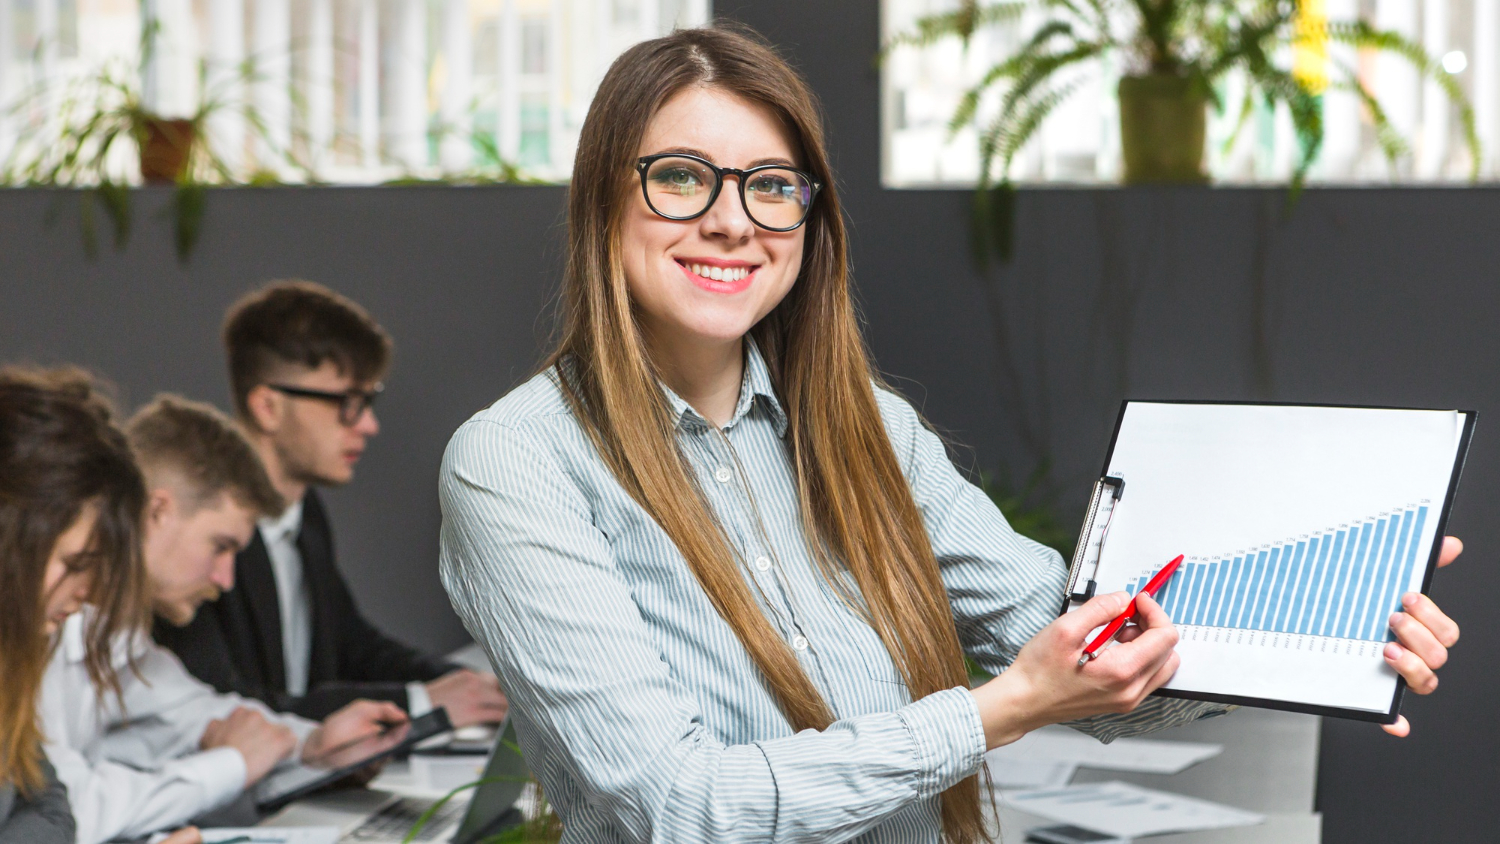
[(262, 743), (470, 697), (360, 719)]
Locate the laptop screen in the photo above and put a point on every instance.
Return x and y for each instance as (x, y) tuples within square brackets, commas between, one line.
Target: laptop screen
[(505, 777)]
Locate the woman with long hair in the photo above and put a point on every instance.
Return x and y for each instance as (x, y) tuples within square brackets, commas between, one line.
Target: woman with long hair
[(727, 577), (70, 506), (71, 498)]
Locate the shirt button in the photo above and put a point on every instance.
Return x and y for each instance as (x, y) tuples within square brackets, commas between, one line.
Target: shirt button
[(722, 474), (799, 643), (762, 563)]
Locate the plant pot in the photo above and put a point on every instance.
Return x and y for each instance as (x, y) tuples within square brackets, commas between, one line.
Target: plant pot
[(1163, 124), (165, 145)]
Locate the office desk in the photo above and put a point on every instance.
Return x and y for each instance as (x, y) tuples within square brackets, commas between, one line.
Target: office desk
[(429, 777), (1269, 765), (347, 808)]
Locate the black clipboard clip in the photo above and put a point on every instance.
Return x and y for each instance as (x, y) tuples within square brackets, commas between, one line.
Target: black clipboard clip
[(1107, 493)]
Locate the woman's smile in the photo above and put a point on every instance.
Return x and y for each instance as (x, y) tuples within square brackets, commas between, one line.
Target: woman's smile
[(717, 275)]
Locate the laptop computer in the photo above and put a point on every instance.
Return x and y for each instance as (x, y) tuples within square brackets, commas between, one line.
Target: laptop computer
[(380, 817)]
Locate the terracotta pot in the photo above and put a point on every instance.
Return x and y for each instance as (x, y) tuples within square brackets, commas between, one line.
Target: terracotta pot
[(1163, 124), (165, 145)]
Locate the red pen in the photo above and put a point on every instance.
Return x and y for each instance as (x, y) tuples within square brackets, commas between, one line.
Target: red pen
[(1113, 627)]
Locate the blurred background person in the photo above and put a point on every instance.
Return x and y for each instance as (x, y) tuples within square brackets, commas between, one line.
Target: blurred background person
[(167, 748), (305, 368), (70, 504)]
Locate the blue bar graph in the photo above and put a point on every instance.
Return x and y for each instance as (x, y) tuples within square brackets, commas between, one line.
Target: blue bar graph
[(1341, 583)]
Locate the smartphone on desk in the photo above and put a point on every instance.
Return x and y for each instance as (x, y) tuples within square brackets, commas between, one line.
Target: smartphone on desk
[(1066, 834)]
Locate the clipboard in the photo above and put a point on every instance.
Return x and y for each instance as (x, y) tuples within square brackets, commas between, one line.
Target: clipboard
[(1302, 526)]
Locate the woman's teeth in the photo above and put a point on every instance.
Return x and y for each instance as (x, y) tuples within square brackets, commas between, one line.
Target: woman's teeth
[(720, 273)]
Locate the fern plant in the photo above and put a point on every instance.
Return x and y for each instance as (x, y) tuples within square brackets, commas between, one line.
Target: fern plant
[(1199, 41)]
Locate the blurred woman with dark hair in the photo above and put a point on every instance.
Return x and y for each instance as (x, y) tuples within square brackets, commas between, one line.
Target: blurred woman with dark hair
[(70, 506)]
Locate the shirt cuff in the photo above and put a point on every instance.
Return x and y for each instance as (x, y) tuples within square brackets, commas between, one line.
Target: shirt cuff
[(418, 702), (949, 736), (221, 771)]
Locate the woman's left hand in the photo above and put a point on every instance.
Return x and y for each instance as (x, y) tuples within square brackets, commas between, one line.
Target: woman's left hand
[(1423, 636)]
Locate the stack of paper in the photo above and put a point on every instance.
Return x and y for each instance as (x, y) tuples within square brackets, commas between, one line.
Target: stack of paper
[(272, 835), (1147, 756), (1049, 756), (1127, 811)]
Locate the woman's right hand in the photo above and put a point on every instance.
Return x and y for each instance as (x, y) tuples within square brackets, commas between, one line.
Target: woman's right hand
[(1046, 685)]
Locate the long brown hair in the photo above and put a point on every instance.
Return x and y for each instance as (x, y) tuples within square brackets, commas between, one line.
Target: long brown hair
[(856, 505), (59, 453)]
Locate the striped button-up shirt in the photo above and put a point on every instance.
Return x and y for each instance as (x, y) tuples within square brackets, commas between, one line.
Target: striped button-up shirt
[(637, 708)]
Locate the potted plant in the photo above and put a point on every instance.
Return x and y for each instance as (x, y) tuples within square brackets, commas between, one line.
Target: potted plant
[(1176, 53), (71, 133)]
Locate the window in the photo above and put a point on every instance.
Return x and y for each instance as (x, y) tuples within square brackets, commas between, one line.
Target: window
[(1080, 143), (363, 90)]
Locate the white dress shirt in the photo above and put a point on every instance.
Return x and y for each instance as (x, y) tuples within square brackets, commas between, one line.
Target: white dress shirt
[(295, 604), (280, 536), (132, 764)]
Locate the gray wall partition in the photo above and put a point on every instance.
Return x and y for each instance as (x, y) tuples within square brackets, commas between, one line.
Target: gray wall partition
[(1359, 296)]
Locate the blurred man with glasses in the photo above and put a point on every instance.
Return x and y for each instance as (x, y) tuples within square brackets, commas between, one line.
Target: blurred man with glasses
[(305, 368)]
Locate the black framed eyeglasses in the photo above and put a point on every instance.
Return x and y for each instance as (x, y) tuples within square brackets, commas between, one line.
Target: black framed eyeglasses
[(352, 403), (683, 187)]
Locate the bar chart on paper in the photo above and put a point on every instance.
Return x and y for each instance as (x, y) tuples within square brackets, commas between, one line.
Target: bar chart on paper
[(1343, 583), (1301, 528)]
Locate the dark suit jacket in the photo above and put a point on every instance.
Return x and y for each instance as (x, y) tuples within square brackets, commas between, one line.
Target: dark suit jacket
[(234, 644)]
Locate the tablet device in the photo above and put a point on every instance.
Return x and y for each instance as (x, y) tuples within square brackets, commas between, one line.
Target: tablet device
[(290, 782)]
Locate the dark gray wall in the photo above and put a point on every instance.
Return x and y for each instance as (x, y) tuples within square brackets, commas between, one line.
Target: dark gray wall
[(1361, 296), (460, 278)]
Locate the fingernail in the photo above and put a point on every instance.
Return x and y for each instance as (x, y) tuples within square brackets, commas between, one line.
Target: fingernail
[(1409, 599), (1395, 619), (1393, 651)]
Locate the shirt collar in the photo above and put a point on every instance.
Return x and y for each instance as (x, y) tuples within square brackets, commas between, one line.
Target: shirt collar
[(288, 524), (72, 644), (72, 640), (755, 385)]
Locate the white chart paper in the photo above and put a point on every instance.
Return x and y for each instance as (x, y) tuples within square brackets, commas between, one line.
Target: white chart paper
[(1127, 811), (1301, 527)]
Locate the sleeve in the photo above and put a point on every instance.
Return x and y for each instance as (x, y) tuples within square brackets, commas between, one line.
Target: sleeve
[(114, 800), (328, 697), (146, 772), (41, 818), (1004, 587), (535, 583), (165, 714)]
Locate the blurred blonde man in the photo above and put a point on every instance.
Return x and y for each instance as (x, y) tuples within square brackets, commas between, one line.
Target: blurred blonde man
[(169, 748)]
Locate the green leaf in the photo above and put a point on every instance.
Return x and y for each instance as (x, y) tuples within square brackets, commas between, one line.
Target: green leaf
[(1031, 508), (1361, 34), (960, 23), (188, 202), (992, 223), (115, 198)]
